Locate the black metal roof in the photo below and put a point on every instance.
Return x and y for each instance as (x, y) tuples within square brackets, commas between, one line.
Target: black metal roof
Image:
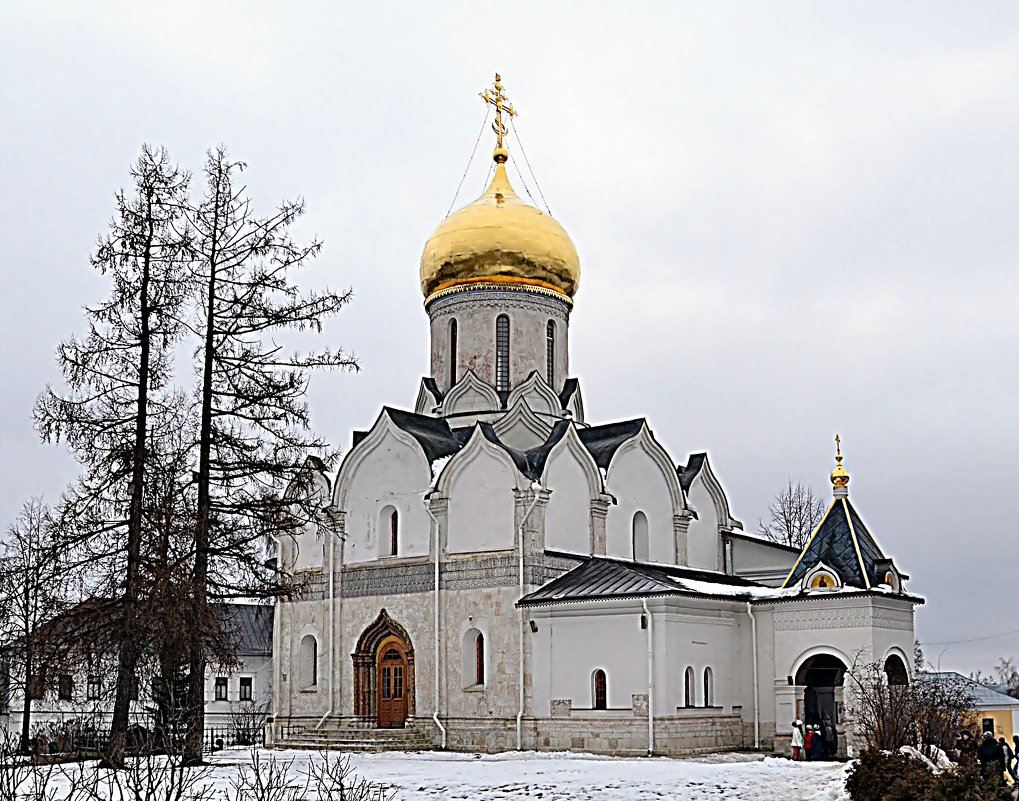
[(844, 544), (570, 386), (432, 433), (601, 578), (688, 473), (604, 441)]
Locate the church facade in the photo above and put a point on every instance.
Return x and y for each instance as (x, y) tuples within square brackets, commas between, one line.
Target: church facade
[(491, 570)]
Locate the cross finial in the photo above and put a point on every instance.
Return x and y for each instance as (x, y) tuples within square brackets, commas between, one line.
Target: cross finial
[(838, 448), (497, 97), (839, 476)]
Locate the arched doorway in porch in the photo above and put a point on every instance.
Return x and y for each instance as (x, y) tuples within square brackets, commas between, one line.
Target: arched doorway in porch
[(822, 677), (384, 674)]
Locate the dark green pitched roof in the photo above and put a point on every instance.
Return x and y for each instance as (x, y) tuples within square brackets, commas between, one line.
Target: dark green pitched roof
[(844, 544)]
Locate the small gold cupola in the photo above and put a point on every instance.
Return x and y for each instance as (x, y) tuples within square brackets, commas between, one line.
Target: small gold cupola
[(839, 476), (499, 239)]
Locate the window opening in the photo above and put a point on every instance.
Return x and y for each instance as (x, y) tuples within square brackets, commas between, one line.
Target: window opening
[(245, 688), (688, 692), (641, 547), (600, 690), (502, 353), (550, 352), (452, 351), (479, 659), (394, 526), (64, 687), (709, 689), (220, 688), (92, 689)]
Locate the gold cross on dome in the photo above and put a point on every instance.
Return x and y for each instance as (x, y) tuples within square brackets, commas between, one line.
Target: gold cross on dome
[(497, 97)]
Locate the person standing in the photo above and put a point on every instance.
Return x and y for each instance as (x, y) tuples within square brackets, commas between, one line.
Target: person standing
[(808, 743), (992, 758), (967, 747), (1013, 769), (817, 745), (1008, 755), (797, 743)]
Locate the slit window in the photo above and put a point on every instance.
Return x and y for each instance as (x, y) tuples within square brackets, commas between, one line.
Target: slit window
[(709, 687), (550, 352), (688, 688), (452, 352), (502, 353)]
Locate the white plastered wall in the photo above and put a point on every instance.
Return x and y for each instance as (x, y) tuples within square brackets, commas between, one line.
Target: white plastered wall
[(480, 488), (702, 547), (568, 515), (636, 481), (393, 472)]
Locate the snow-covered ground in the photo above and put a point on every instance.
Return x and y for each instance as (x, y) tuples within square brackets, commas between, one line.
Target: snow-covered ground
[(547, 776), (583, 777)]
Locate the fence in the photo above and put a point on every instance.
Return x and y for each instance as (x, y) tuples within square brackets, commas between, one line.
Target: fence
[(220, 737)]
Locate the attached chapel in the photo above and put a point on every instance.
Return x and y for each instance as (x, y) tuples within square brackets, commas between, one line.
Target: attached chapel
[(492, 570)]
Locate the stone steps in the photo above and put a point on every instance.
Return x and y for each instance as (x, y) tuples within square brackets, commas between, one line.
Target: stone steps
[(338, 737)]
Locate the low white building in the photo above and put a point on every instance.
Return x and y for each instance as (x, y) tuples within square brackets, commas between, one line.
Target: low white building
[(492, 570), (237, 699)]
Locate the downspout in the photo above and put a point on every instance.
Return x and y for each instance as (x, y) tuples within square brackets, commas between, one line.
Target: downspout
[(277, 686), (332, 627), (757, 705), (650, 678), (536, 489), (438, 673)]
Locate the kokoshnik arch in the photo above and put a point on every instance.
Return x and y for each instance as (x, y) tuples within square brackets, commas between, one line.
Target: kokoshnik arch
[(492, 570)]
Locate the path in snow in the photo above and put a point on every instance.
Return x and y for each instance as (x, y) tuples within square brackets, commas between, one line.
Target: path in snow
[(581, 777)]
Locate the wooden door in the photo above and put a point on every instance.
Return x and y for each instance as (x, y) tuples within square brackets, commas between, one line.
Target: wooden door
[(392, 689)]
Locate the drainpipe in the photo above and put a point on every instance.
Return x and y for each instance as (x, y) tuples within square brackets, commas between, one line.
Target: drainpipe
[(332, 627), (536, 489), (438, 673), (277, 686), (757, 705), (650, 678)]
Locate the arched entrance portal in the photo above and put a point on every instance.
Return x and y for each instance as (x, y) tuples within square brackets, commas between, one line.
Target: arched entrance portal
[(384, 674), (822, 677)]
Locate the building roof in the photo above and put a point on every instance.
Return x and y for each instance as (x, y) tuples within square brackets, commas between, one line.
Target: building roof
[(598, 578), (842, 542), (603, 441), (249, 626), (432, 433), (984, 697), (689, 472)]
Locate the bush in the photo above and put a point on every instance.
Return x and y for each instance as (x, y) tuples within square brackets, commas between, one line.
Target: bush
[(881, 776)]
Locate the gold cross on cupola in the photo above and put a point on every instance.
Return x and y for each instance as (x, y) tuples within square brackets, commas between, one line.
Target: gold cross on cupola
[(497, 97)]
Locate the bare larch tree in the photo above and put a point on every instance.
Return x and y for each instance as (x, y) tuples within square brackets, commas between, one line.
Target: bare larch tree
[(116, 376), (793, 515), (254, 427)]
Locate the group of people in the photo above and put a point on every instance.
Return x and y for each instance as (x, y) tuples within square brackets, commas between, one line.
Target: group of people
[(996, 757), (814, 741)]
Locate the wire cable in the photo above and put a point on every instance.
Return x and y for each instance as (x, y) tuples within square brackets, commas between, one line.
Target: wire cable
[(527, 161), (973, 639), (469, 162)]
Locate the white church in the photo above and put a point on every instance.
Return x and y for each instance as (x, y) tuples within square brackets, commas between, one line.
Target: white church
[(492, 570)]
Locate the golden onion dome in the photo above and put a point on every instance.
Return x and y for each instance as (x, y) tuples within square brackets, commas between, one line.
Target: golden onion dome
[(500, 239)]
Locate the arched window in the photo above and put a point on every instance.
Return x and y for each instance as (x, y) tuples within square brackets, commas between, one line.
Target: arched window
[(689, 698), (601, 690), (709, 687), (309, 661), (479, 659), (895, 670), (389, 532), (550, 352), (473, 659), (502, 353), (452, 352), (641, 549)]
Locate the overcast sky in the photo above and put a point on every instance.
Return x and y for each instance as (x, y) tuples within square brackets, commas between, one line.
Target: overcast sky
[(794, 219)]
